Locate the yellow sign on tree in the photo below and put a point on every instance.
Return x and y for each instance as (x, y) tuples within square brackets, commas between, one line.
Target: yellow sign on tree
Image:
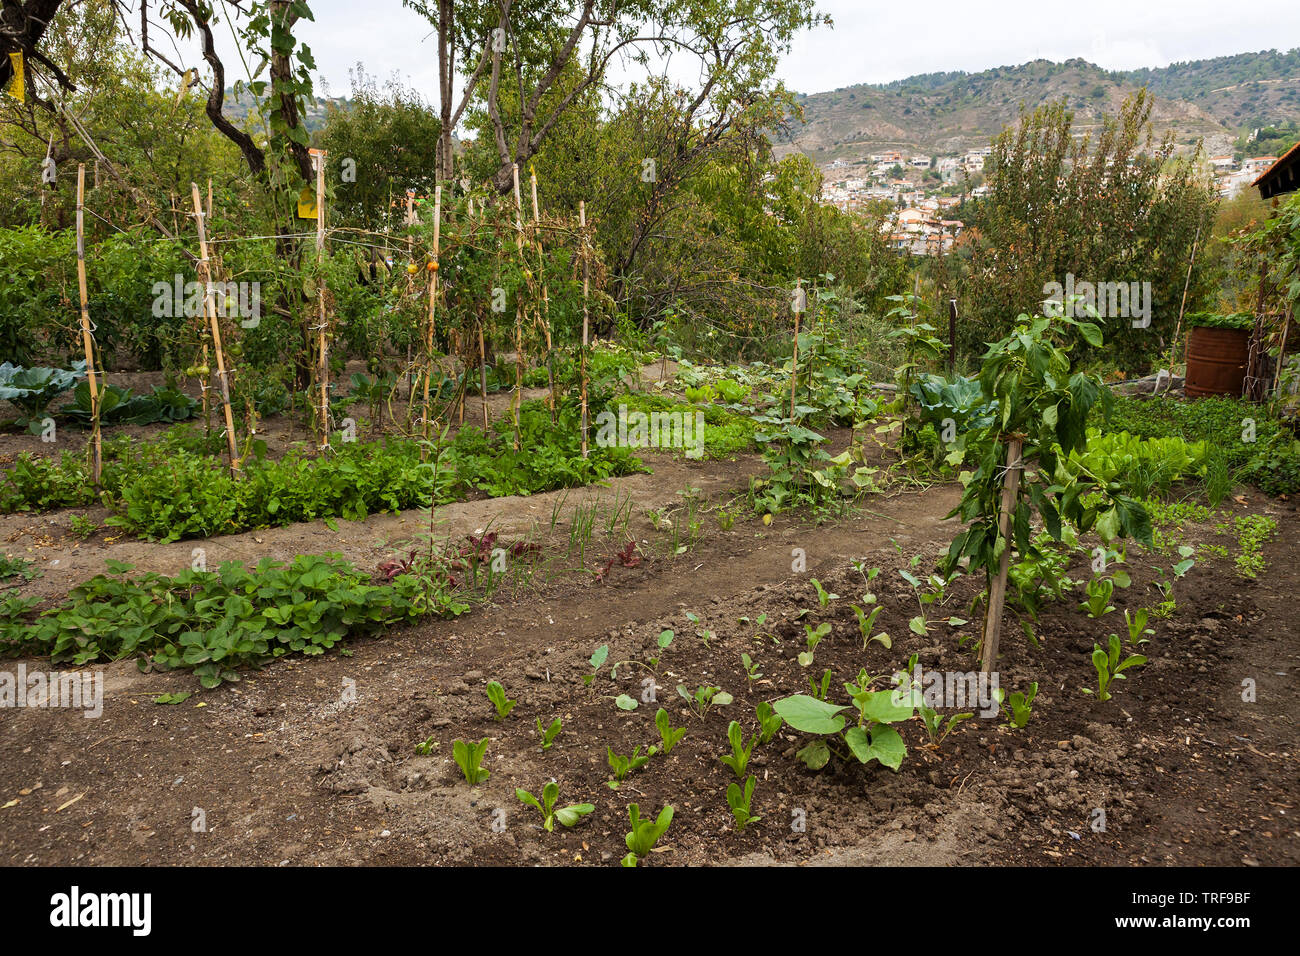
[(307, 203), (18, 85)]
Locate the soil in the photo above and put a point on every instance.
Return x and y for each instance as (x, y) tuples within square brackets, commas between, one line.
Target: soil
[(314, 762)]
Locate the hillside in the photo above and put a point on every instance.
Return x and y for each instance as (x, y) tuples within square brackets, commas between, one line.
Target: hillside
[(948, 112)]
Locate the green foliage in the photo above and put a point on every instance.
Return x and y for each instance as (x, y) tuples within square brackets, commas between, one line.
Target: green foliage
[(624, 765), (1114, 206), (769, 722), (166, 492), (738, 759), (119, 406), (1018, 706), (644, 834), (565, 816), (739, 802), (1253, 531), (1108, 666), (1038, 399), (1099, 591), (497, 694), (704, 699), (870, 739), (548, 734), (469, 757), (215, 622), (668, 735), (32, 389)]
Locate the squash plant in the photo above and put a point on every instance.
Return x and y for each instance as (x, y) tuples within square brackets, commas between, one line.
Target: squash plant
[(1041, 403)]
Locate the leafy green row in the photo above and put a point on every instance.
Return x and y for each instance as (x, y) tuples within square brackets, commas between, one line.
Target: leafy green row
[(217, 621)]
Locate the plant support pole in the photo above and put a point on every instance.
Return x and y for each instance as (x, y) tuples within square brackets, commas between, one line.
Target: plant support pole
[(322, 324), (210, 311), (433, 296), (87, 339), (586, 319), (998, 588)]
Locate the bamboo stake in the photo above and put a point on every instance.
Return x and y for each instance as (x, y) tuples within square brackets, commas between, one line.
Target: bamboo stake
[(794, 358), (998, 588), (433, 295), (87, 339), (1281, 352), (1178, 328), (544, 321), (586, 319), (517, 399), (322, 324), (482, 375), (210, 312)]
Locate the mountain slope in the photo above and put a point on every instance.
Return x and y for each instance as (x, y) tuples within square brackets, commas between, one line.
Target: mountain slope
[(949, 112)]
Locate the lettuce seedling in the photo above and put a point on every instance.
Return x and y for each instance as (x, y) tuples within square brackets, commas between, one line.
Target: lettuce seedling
[(1109, 668), (622, 766), (769, 722), (667, 734), (469, 757), (738, 759), (644, 833), (497, 694), (738, 800), (566, 816), (548, 734), (1020, 706)]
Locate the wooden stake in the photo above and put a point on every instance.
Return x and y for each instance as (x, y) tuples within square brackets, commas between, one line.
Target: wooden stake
[(998, 588), (1281, 352), (1178, 328), (322, 341), (586, 319), (794, 358), (210, 312), (517, 399), (87, 339), (433, 296), (482, 375), (952, 336), (544, 313)]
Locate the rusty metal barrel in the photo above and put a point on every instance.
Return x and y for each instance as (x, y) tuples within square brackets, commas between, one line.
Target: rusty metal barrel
[(1216, 361)]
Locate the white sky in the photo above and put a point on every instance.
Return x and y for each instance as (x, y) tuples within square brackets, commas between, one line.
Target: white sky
[(873, 42)]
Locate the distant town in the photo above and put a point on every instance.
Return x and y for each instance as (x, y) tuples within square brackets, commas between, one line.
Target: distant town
[(923, 191)]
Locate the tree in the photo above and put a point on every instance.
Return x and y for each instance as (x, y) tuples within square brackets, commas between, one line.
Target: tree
[(380, 145), (1114, 208)]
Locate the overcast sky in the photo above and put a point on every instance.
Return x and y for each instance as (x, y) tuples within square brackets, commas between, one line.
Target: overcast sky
[(874, 42)]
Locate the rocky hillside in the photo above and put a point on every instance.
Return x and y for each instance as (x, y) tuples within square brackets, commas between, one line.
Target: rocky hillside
[(947, 112)]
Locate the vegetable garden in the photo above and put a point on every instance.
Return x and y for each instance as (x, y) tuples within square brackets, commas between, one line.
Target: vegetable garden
[(468, 538)]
